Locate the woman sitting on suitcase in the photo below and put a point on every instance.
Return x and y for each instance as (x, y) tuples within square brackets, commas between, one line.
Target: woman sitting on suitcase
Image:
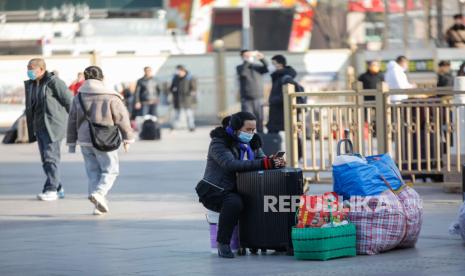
[(234, 148)]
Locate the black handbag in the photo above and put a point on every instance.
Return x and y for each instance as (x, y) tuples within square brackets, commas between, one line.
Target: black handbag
[(104, 138)]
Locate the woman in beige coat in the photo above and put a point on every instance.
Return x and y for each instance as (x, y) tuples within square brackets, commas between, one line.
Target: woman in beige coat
[(106, 107)]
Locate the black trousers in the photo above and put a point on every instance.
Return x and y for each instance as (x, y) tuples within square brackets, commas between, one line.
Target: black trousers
[(255, 107), (229, 205)]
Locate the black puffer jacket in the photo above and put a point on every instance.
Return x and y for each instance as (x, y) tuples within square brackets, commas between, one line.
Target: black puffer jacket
[(276, 117), (223, 161)]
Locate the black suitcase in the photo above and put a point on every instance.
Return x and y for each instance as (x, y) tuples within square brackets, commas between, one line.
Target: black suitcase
[(271, 143), (267, 230), (150, 130)]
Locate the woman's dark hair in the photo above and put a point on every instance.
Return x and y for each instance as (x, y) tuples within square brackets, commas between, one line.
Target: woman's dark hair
[(399, 59), (236, 121), (93, 73), (280, 59)]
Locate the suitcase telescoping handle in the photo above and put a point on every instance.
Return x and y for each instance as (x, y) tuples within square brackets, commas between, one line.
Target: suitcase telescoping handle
[(349, 149)]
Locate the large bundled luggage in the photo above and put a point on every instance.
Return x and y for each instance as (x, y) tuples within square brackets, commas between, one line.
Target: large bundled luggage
[(270, 229), (387, 213)]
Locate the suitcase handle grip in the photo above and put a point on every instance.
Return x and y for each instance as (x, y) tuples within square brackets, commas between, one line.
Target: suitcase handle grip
[(349, 149)]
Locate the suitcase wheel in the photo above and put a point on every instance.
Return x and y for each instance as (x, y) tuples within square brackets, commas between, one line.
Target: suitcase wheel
[(242, 251), (289, 251), (253, 251)]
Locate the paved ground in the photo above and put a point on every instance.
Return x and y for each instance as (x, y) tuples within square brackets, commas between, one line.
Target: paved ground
[(156, 227)]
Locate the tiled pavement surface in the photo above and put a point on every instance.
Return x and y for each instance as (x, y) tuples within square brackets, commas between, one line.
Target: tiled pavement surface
[(156, 227)]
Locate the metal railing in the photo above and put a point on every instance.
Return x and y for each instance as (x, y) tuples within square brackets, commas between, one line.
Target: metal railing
[(422, 133)]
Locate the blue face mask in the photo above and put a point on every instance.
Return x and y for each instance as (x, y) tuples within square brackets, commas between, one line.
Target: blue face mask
[(245, 137), (31, 74)]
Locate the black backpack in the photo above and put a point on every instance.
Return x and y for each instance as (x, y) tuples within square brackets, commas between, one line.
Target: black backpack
[(104, 138), (298, 88), (150, 130)]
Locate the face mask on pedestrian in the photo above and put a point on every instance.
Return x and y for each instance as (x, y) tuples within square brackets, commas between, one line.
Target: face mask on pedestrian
[(31, 74), (250, 59), (271, 68), (245, 137)]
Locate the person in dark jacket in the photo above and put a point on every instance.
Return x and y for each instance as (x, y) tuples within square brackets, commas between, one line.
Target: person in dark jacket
[(147, 93), (445, 77), (234, 148), (282, 74), (455, 35), (48, 101), (250, 75), (461, 71), (184, 89), (371, 78)]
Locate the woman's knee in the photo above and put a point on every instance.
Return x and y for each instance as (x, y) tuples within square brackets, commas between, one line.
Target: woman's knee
[(233, 201)]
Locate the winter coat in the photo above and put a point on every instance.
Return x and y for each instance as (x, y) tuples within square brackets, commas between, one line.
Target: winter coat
[(370, 81), (57, 102), (396, 78), (445, 80), (147, 91), (279, 78), (183, 90), (104, 106), (223, 161), (251, 79), (455, 36)]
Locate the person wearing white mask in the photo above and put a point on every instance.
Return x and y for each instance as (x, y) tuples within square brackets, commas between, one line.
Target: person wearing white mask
[(48, 102), (396, 78), (250, 74)]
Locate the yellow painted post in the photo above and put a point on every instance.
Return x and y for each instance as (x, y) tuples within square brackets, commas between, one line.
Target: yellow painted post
[(383, 119), (360, 145), (290, 117), (95, 58)]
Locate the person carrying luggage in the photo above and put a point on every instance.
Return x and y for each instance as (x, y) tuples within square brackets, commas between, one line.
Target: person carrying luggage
[(95, 107), (234, 148)]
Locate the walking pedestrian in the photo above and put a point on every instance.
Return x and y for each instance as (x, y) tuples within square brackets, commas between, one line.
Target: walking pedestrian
[(48, 102), (74, 87), (184, 89), (147, 94), (250, 74), (102, 106)]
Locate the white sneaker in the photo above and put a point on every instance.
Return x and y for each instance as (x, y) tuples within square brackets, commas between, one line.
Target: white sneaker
[(97, 212), (48, 196), (99, 202)]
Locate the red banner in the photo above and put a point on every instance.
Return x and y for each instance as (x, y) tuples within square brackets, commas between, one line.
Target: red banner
[(395, 6)]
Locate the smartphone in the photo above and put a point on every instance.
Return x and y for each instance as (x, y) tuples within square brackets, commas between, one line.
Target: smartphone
[(280, 154)]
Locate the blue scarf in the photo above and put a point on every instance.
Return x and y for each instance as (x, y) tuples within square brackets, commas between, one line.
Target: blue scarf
[(243, 147)]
